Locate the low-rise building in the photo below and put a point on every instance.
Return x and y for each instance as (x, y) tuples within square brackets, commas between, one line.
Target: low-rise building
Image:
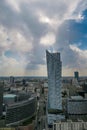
[(69, 125)]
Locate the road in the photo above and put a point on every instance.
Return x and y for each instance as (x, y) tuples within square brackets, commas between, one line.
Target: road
[(41, 115)]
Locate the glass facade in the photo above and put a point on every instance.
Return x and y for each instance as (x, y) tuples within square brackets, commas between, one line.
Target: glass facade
[(1, 98), (20, 112), (54, 80), (54, 65)]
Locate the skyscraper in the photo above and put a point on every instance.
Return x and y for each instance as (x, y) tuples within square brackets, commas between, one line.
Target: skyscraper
[(11, 80), (76, 75), (54, 65), (1, 98)]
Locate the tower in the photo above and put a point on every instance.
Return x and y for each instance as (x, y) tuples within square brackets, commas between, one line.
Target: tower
[(54, 66), (76, 74), (1, 98), (11, 80)]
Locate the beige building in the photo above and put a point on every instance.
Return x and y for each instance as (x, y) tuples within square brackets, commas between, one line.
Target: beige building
[(69, 125)]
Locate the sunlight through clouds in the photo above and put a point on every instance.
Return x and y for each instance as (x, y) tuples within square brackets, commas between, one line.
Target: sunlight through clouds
[(29, 27), (48, 39)]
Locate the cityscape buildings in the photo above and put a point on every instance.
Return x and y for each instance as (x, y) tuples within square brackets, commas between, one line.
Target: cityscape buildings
[(37, 102)]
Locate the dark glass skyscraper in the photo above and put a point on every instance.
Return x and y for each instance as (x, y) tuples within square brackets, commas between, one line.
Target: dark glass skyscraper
[(76, 75)]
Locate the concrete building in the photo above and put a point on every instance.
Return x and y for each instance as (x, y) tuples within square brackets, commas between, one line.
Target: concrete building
[(76, 107), (21, 111), (1, 98), (69, 125), (84, 86), (9, 98), (54, 85)]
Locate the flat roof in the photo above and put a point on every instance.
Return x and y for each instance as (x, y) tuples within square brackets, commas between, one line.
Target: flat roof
[(9, 95), (76, 97)]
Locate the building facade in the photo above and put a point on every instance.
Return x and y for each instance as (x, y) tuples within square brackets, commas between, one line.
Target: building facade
[(1, 98), (11, 80), (77, 107), (76, 75), (20, 112), (69, 125), (54, 65)]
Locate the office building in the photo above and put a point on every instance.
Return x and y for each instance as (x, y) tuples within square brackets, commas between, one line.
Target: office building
[(76, 75), (1, 98), (9, 98), (11, 80), (77, 108), (54, 86), (21, 111)]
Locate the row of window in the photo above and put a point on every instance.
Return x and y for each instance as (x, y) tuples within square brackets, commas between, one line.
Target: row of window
[(20, 112)]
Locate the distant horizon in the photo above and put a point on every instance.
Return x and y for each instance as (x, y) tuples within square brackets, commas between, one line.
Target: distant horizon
[(37, 76)]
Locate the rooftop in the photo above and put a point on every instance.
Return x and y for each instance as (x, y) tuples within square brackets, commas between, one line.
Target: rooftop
[(9, 95)]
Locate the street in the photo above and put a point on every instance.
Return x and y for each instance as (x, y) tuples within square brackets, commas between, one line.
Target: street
[(41, 115)]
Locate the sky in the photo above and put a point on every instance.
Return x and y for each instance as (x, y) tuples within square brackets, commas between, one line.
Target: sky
[(30, 27)]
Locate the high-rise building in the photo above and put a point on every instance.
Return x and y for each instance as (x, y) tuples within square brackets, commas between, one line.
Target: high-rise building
[(76, 75), (54, 65), (11, 80), (1, 98)]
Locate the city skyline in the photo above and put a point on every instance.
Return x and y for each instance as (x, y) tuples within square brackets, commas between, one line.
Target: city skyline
[(28, 28)]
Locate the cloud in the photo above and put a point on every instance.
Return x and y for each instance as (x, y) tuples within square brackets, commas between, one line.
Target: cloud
[(48, 39), (81, 58), (28, 28), (10, 66)]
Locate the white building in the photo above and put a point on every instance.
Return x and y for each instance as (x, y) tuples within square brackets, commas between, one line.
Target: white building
[(69, 125)]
